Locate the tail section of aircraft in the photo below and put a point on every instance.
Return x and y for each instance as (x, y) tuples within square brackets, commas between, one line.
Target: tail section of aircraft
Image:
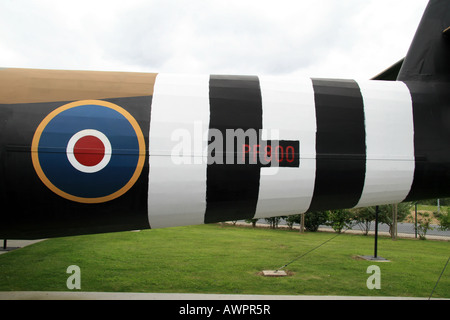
[(428, 56)]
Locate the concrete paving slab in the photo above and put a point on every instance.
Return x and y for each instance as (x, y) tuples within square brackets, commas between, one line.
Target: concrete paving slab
[(274, 273), (373, 258)]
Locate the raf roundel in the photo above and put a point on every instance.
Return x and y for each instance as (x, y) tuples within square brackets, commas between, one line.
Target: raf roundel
[(89, 151)]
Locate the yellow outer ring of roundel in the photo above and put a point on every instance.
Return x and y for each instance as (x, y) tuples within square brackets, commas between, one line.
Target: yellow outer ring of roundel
[(50, 116)]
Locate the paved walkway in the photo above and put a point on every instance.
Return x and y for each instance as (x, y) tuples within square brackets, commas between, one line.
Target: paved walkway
[(78, 295), (16, 244)]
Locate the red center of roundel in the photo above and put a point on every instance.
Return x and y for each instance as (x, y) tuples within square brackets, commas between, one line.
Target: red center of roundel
[(89, 151)]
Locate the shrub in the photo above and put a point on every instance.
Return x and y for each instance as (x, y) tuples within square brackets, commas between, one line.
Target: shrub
[(444, 220), (314, 219), (423, 224)]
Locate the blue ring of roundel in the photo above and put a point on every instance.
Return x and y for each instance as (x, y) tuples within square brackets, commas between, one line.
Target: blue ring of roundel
[(59, 171)]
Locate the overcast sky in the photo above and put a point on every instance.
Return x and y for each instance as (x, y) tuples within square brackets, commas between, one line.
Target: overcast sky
[(314, 38)]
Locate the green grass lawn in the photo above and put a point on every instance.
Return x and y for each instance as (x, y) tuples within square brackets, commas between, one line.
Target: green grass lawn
[(217, 259)]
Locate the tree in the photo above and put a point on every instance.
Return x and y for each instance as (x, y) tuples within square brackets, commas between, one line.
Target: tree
[(314, 219), (385, 213), (273, 221), (340, 219), (363, 218), (290, 220), (252, 221)]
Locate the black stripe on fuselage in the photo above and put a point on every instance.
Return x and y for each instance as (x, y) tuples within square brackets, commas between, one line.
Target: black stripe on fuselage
[(232, 188), (340, 144), (431, 118)]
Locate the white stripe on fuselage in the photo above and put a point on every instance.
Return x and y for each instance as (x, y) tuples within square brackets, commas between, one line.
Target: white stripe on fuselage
[(288, 109), (389, 142), (177, 175)]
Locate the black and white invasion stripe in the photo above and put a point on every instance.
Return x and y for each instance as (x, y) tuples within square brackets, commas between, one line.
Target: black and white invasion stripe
[(360, 144)]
